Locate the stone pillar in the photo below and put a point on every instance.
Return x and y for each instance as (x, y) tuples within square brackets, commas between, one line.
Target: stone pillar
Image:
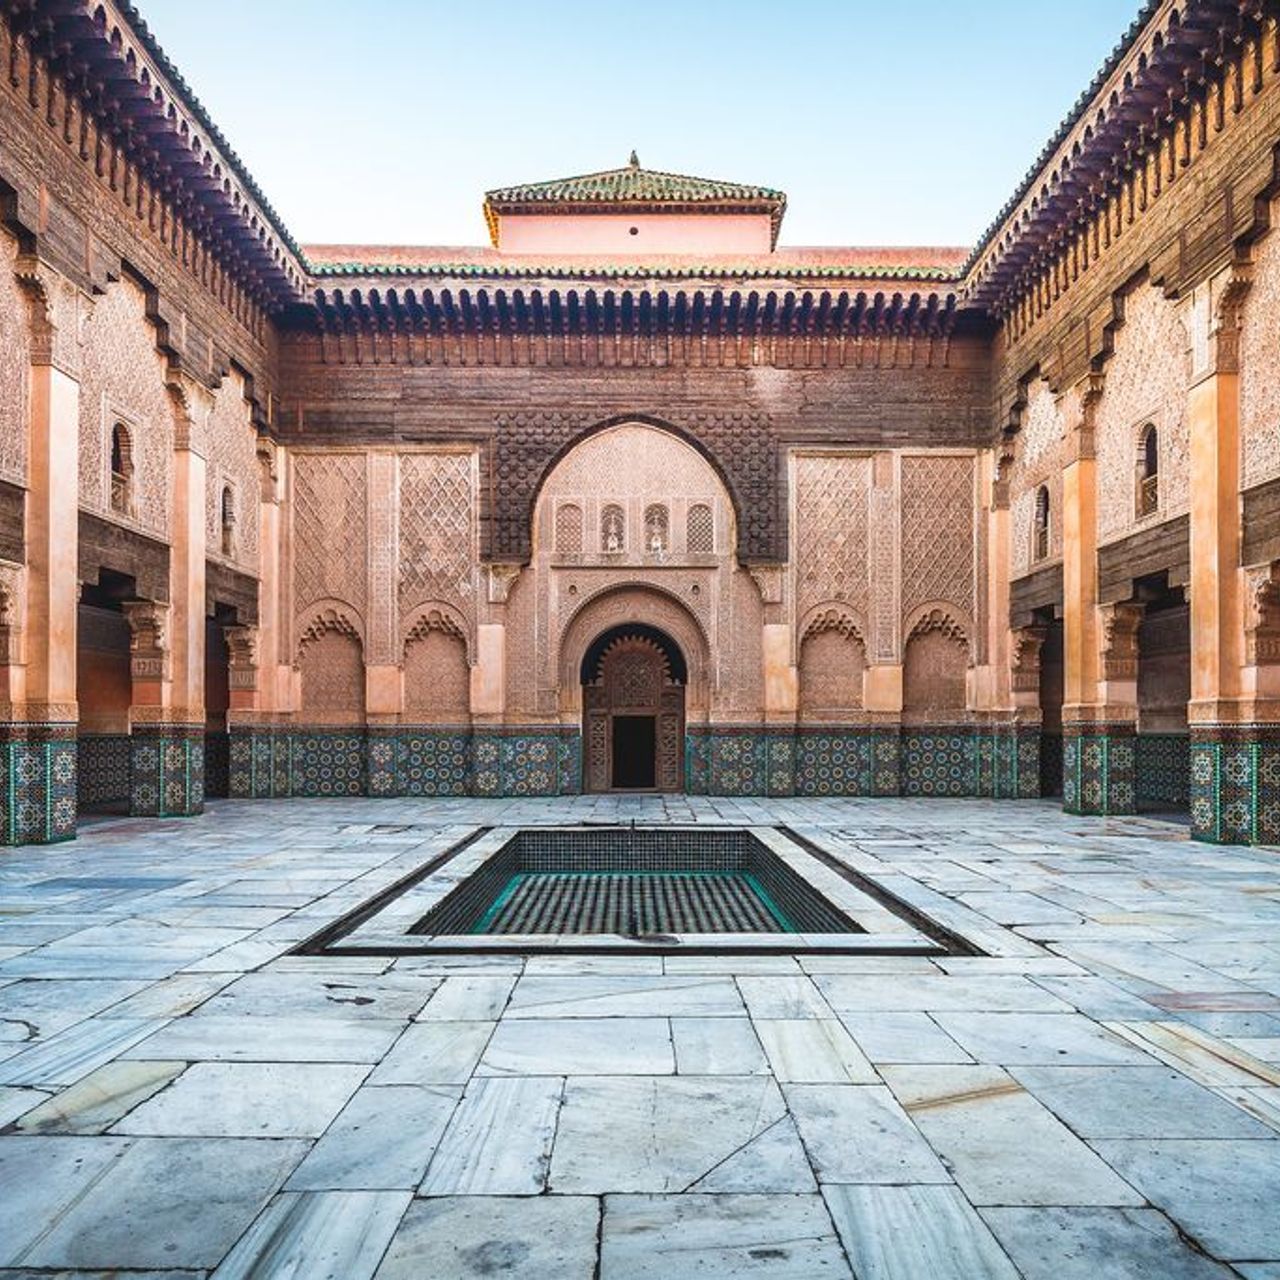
[(261, 684), (1098, 729), (38, 739), (1233, 712), (167, 716)]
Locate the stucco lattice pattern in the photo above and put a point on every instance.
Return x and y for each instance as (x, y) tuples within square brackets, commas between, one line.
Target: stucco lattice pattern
[(436, 529), (831, 530), (1037, 461), (232, 460), (831, 664), (436, 679), (1260, 368), (332, 676), (1146, 381), (124, 380), (937, 531), (14, 362), (330, 523)]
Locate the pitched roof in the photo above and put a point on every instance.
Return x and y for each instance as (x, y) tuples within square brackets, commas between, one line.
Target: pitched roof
[(630, 187)]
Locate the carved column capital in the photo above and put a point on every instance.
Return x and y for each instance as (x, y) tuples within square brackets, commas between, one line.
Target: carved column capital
[(192, 408), (1262, 615), (1024, 657), (242, 661), (56, 311), (148, 639), (1080, 407), (1120, 624)]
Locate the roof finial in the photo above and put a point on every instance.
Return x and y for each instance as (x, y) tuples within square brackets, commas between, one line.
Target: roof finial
[(634, 162)]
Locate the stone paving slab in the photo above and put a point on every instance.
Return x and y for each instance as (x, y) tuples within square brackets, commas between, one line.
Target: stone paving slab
[(1097, 1096)]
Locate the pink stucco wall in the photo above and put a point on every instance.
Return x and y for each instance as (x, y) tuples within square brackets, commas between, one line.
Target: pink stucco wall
[(655, 233)]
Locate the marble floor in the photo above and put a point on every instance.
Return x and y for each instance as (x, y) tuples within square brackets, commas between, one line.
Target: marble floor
[(1097, 1097)]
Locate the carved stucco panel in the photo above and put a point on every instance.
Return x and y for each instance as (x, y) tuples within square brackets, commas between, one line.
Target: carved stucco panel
[(1038, 456), (232, 461), (1260, 367), (1146, 381), (330, 529), (438, 530), (15, 359), (831, 523), (937, 512), (124, 380)]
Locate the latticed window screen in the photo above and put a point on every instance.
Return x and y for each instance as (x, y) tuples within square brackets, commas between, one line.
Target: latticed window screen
[(569, 528), (700, 531), (613, 529), (657, 532)]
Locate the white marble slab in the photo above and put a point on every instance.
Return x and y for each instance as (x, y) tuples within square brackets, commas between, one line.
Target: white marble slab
[(103, 1097), (720, 1237), (317, 1235), (168, 1203), (248, 1100), (579, 1046), (813, 1051), (472, 998), (661, 1133), (383, 1139), (927, 993), (72, 1054), (499, 1139), (859, 1133), (479, 1237), (434, 1053), (1001, 1144), (204, 1037), (717, 1047), (902, 1038), (1099, 1244), (623, 996), (1060, 1039), (1222, 1192), (791, 996), (1136, 1102), (915, 1233)]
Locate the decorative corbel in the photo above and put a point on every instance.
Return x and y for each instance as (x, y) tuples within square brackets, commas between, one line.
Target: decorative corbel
[(148, 639), (1262, 615), (1024, 657), (502, 578), (1120, 624), (769, 579), (242, 659)]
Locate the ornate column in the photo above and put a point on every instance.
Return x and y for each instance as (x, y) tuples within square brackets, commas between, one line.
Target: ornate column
[(882, 679), (259, 674), (166, 774), (781, 681), (38, 739), (489, 683), (1234, 710), (384, 657), (1099, 712)]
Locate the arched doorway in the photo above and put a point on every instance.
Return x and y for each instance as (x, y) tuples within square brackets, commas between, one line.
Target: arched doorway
[(633, 703)]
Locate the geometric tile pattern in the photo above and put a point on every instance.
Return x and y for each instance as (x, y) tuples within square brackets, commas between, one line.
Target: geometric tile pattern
[(1162, 770), (1098, 769), (37, 783), (1235, 784), (166, 771), (102, 769)]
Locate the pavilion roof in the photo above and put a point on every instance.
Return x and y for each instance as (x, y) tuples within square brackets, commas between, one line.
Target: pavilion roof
[(633, 188)]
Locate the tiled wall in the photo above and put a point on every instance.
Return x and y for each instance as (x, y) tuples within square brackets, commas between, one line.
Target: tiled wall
[(1162, 771), (102, 769), (1235, 784), (37, 783)]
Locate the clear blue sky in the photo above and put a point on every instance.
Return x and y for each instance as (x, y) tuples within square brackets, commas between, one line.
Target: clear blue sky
[(886, 123)]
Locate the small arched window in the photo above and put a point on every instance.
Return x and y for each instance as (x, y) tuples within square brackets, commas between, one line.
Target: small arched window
[(569, 528), (613, 529), (1040, 533), (700, 531), (121, 470), (227, 518), (657, 529), (1148, 497)]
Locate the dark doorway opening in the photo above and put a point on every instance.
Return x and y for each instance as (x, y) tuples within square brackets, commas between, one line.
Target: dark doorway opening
[(633, 680), (635, 752)]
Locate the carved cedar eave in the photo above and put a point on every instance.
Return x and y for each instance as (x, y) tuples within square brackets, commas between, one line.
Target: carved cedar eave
[(95, 73), (1169, 88)]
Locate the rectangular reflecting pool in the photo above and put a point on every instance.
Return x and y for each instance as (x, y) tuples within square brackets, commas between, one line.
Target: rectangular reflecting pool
[(616, 889), (634, 883)]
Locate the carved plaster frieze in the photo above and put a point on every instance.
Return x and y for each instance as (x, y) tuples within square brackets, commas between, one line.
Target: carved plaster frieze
[(56, 313)]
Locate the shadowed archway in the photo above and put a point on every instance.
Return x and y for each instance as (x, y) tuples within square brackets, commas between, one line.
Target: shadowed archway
[(633, 705)]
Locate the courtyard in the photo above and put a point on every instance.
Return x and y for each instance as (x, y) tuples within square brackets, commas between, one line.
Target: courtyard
[(1096, 1094)]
